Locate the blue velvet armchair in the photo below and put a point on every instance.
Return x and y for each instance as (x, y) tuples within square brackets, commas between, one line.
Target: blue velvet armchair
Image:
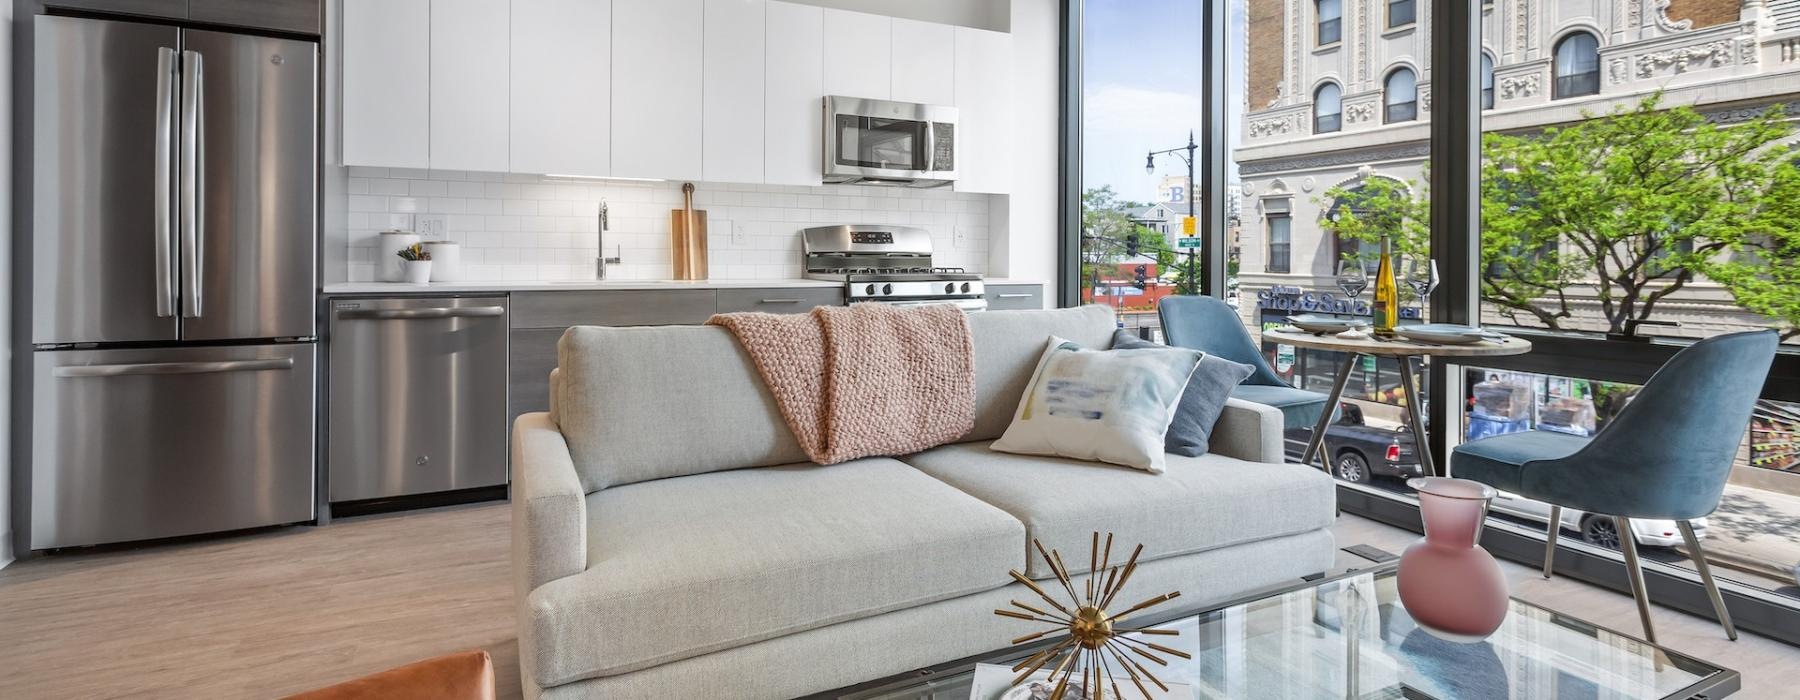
[(1212, 326), (1665, 456)]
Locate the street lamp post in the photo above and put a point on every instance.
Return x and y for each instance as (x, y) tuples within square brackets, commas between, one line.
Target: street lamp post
[(1150, 169)]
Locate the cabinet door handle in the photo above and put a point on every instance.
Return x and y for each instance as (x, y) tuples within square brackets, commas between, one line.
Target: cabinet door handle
[(1012, 296), (782, 301), (443, 312)]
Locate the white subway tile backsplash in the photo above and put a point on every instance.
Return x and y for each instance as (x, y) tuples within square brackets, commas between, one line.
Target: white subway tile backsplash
[(527, 227)]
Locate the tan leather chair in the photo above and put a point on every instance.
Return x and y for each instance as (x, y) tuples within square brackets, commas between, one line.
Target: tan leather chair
[(466, 675)]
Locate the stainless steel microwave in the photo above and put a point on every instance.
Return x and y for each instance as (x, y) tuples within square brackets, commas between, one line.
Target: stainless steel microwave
[(878, 142)]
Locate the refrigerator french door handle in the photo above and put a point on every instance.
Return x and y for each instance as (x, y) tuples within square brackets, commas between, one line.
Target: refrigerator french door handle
[(193, 224), (165, 194), (119, 370)]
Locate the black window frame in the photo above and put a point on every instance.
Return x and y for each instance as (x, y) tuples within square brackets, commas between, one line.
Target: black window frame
[(1399, 112), (1581, 84), (1336, 117)]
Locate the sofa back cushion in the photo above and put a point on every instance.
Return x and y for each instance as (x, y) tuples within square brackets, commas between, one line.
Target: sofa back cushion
[(650, 402)]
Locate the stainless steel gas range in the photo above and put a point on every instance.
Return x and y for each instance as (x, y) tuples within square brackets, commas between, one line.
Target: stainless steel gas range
[(887, 264)]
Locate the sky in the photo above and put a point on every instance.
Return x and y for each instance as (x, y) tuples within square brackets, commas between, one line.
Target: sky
[(1141, 88)]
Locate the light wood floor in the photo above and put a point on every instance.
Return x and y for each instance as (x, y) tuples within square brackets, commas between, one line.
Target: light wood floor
[(263, 615)]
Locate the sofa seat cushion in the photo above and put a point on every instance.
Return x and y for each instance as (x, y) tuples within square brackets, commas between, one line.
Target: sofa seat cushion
[(1199, 503), (685, 566)]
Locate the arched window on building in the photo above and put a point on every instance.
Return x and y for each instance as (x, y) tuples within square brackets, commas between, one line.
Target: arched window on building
[(1577, 66), (1356, 202), (1401, 95), (1328, 109), (1487, 81), (1331, 19)]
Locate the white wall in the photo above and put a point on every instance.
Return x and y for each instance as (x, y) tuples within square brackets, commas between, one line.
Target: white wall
[(980, 14), (1029, 217), (6, 10)]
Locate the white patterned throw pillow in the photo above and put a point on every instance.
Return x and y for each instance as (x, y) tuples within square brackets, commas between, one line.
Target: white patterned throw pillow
[(1109, 406)]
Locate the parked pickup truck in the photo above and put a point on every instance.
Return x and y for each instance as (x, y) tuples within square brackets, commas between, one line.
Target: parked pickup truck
[(1360, 452)]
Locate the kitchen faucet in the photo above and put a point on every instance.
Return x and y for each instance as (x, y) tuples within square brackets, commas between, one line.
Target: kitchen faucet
[(600, 259)]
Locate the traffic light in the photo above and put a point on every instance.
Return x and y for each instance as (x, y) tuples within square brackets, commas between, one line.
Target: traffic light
[(1138, 276), (1131, 245)]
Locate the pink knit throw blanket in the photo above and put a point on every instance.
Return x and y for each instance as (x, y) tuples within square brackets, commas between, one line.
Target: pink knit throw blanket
[(868, 379)]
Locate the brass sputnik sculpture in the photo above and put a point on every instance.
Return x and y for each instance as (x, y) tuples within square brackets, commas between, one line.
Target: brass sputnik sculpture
[(1092, 636)]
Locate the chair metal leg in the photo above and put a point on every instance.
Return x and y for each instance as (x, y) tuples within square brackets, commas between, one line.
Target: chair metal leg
[(1706, 577), (1635, 570), (1550, 539)]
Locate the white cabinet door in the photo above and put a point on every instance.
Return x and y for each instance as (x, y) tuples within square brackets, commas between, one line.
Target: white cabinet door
[(656, 89), (561, 87), (985, 111), (859, 46), (469, 85), (732, 146), (387, 82), (924, 62), (793, 95)]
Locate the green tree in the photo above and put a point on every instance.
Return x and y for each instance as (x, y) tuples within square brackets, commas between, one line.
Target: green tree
[(1107, 233), (1634, 204)]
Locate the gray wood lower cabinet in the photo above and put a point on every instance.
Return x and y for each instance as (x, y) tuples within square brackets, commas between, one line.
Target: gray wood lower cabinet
[(779, 300), (528, 377), (1004, 297)]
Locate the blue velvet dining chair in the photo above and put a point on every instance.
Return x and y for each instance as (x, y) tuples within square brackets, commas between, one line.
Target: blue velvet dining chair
[(1213, 327), (1665, 456)]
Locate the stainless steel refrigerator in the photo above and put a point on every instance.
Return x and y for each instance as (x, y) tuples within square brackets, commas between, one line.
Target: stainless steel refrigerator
[(172, 321)]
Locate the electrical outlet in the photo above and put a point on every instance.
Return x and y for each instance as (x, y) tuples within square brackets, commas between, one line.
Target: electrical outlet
[(959, 237), (432, 226), (738, 235)]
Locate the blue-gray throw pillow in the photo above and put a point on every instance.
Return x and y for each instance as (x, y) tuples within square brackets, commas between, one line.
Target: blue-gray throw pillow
[(1201, 403)]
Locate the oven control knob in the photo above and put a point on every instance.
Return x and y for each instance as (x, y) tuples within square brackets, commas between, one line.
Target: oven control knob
[(887, 289), (870, 290), (949, 287), (965, 287)]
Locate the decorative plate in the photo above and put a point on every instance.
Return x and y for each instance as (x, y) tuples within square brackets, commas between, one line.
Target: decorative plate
[(1450, 333), (1321, 323)]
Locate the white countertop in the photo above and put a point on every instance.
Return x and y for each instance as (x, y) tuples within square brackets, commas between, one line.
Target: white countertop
[(563, 285), (502, 286)]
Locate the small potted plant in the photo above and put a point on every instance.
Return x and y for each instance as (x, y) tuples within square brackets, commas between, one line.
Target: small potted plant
[(415, 263)]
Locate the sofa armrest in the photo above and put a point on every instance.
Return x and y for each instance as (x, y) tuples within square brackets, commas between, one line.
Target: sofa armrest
[(549, 507), (1249, 431)]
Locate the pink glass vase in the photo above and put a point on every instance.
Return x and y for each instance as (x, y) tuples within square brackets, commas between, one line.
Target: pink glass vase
[(1450, 586)]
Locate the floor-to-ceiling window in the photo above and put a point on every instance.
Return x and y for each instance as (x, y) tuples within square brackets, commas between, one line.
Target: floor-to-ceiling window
[(1638, 179)]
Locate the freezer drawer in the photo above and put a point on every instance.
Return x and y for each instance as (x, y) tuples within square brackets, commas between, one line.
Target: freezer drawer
[(143, 444), (418, 396)]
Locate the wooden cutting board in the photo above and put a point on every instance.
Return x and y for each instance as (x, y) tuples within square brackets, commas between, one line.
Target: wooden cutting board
[(687, 238)]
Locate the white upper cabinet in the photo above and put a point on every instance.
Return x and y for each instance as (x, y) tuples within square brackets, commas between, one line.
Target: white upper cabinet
[(387, 99), (984, 104), (561, 87), (732, 109), (924, 68), (860, 47), (793, 95), (656, 98), (469, 84)]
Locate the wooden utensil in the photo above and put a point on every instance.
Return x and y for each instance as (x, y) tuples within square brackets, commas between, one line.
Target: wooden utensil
[(687, 237)]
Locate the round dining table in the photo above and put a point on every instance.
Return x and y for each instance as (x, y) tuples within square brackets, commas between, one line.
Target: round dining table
[(1407, 352)]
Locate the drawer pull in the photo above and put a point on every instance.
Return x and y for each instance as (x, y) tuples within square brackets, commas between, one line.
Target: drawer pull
[(782, 301), (1013, 296)]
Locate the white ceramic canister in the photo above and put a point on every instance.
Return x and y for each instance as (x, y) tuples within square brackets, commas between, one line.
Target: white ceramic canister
[(446, 260), (388, 245)]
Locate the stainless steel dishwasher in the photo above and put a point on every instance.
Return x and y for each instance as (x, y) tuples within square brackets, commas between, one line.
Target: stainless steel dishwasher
[(417, 396)]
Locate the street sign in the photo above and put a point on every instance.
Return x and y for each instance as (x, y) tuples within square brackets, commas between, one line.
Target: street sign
[(1187, 226), (1187, 242)]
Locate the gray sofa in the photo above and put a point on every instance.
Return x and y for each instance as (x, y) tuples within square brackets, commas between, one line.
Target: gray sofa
[(671, 541)]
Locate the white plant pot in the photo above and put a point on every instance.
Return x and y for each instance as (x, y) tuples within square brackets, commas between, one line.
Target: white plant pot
[(387, 244), (416, 271)]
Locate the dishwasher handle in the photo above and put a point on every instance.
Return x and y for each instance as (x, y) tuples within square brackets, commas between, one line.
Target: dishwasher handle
[(416, 314)]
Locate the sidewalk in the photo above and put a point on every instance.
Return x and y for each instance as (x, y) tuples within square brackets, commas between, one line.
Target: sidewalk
[(1756, 532)]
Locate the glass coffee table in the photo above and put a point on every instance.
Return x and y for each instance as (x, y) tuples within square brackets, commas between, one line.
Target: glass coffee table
[(1349, 637)]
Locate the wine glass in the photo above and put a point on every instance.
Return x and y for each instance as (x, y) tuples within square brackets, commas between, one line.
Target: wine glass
[(1352, 278), (1422, 277)]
